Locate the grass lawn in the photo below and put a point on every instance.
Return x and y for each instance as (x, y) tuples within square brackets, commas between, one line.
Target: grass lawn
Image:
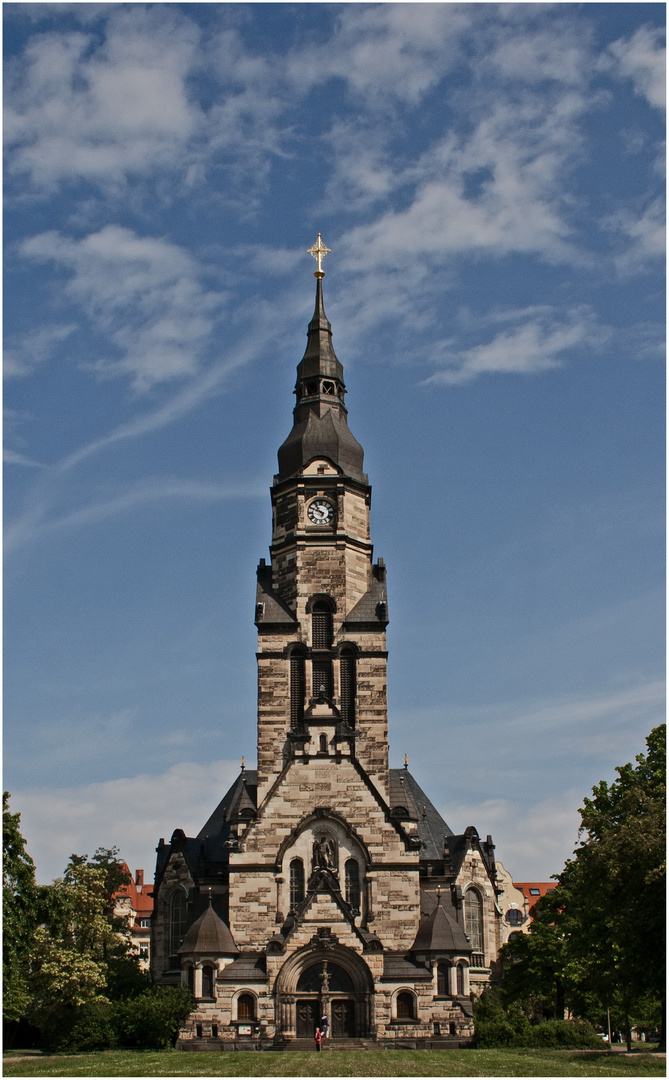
[(342, 1063)]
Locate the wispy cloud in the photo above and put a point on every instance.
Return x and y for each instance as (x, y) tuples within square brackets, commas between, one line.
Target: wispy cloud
[(132, 813), (22, 356), (642, 59), (540, 340)]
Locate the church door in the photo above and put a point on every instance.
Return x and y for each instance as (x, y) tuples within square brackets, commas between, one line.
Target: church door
[(343, 1019), (308, 1016)]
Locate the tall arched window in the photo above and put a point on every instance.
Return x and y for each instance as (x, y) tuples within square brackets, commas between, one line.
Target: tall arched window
[(474, 919), (178, 912), (297, 688), (352, 880), (348, 687), (321, 624), (443, 982), (207, 982), (246, 1007), (405, 1005), (296, 882), (460, 980)]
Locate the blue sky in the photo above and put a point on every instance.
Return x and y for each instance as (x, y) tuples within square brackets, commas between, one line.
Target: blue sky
[(490, 180)]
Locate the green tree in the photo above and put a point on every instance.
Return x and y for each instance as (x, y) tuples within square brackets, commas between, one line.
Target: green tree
[(598, 940), (19, 904)]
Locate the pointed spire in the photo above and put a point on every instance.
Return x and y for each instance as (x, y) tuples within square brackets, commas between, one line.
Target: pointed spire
[(320, 428)]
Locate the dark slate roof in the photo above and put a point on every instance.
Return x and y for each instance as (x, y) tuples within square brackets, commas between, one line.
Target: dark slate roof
[(432, 829), (401, 968), (457, 847), (274, 610), (373, 606), (241, 796), (209, 934), (248, 967), (440, 931)]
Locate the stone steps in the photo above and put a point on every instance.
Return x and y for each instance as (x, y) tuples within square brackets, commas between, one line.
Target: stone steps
[(328, 1045)]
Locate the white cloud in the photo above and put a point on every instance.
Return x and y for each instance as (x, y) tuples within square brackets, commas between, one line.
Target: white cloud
[(538, 342), (644, 234), (131, 813), (22, 356), (79, 110), (145, 293), (533, 841), (641, 58)]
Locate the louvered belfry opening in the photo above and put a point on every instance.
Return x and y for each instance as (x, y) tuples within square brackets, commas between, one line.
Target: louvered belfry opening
[(321, 625), (348, 687), (297, 689), (322, 677)]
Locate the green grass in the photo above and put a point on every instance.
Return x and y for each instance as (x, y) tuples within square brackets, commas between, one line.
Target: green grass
[(342, 1063)]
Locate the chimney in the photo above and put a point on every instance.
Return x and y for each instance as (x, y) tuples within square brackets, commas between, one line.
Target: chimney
[(139, 878)]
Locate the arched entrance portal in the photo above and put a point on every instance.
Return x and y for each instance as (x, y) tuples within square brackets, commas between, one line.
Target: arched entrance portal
[(332, 981)]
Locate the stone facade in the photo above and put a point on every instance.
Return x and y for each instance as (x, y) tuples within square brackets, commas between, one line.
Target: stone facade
[(324, 884)]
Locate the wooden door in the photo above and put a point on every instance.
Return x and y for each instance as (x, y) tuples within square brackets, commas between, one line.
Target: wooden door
[(308, 1015), (343, 1019)]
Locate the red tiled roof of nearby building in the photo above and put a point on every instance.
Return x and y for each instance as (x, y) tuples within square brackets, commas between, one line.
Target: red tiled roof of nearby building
[(139, 892), (534, 890)]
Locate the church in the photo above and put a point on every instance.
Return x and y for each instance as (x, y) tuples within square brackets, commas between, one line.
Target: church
[(325, 890)]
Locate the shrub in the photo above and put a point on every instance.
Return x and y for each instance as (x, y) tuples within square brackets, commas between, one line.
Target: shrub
[(564, 1034), (151, 1020), (87, 1027), (496, 1026)]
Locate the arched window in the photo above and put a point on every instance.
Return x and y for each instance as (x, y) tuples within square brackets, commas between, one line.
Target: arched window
[(323, 744), (296, 882), (352, 880), (405, 1005), (207, 982), (460, 981), (474, 919), (514, 917), (178, 911), (348, 685), (321, 624), (443, 981), (246, 1007), (297, 688)]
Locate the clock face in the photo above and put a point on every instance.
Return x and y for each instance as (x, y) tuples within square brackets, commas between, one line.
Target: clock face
[(321, 512)]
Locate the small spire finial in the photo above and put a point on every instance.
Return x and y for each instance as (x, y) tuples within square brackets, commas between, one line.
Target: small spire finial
[(406, 761), (242, 762), (319, 251)]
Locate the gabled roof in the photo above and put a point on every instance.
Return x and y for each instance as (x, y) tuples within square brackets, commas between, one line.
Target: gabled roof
[(273, 611), (432, 829), (209, 934), (247, 967), (373, 606), (402, 968), (440, 931), (238, 798)]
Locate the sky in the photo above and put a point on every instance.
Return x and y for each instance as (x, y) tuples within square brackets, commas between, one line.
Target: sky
[(490, 180)]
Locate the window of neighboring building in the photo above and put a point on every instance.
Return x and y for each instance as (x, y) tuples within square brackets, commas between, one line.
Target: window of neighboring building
[(535, 892), (514, 916), (144, 950), (178, 912), (443, 987), (145, 923), (296, 882), (246, 1007), (352, 880), (474, 919), (207, 982), (405, 1005)]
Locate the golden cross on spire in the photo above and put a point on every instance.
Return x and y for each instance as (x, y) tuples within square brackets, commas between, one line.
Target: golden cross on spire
[(319, 251)]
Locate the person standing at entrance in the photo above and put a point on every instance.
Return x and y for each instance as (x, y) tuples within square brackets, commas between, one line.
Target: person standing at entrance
[(319, 1038), (325, 1026)]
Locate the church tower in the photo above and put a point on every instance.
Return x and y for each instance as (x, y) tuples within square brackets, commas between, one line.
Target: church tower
[(325, 887), (321, 608)]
